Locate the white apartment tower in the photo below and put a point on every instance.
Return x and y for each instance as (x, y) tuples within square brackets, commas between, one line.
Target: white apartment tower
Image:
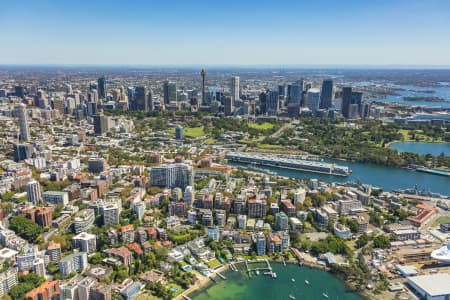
[(34, 192), (235, 88), (23, 122)]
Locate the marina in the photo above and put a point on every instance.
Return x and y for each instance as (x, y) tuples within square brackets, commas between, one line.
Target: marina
[(267, 270)]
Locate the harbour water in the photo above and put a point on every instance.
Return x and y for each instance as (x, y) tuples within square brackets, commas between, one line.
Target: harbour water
[(240, 286), (414, 91), (422, 148), (386, 178)]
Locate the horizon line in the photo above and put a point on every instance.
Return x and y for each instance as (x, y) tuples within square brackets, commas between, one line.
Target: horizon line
[(269, 66)]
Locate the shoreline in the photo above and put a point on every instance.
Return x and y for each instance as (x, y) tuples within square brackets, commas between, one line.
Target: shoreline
[(201, 283), (312, 265), (414, 141)]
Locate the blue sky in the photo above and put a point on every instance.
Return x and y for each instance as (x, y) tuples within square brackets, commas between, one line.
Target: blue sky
[(229, 32)]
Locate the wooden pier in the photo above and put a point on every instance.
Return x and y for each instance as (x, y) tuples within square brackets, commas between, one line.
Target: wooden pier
[(266, 270), (233, 267)]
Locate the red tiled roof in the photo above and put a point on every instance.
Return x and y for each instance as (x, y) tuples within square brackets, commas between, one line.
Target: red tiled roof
[(135, 248), (425, 212), (122, 251), (167, 243), (125, 228), (276, 239), (151, 230)]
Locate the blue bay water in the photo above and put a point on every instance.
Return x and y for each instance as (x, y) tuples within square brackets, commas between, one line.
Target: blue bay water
[(386, 178), (422, 148), (414, 91), (239, 286)]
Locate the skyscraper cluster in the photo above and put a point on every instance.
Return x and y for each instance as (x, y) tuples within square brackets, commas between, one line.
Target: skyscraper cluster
[(352, 104)]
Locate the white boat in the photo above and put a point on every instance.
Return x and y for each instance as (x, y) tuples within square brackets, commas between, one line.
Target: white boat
[(274, 275), (257, 272), (325, 295), (291, 297), (306, 281), (442, 254), (292, 279)]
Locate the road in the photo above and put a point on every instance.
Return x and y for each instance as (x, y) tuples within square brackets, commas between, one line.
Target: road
[(280, 131)]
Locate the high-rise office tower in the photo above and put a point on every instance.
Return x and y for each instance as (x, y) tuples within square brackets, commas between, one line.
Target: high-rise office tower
[(203, 73), (23, 151), (262, 103), (356, 105), (272, 102), (97, 164), (228, 106), (282, 90), (306, 85), (327, 95), (130, 93), (101, 87), (59, 105), (346, 101), (295, 93), (170, 92), (179, 132), (102, 124), (235, 89), (151, 103), (19, 91), (34, 192), (23, 122), (139, 100), (69, 90), (313, 100), (357, 98), (92, 86), (365, 110), (301, 83), (91, 108)]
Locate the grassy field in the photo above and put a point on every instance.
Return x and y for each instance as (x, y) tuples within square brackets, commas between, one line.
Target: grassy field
[(270, 147), (147, 296), (418, 136), (210, 141), (213, 263), (442, 220), (192, 132), (261, 126)]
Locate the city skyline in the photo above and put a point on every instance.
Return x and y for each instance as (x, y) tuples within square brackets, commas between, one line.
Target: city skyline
[(350, 33)]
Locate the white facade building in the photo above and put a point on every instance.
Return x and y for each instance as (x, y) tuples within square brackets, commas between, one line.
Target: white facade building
[(34, 192)]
